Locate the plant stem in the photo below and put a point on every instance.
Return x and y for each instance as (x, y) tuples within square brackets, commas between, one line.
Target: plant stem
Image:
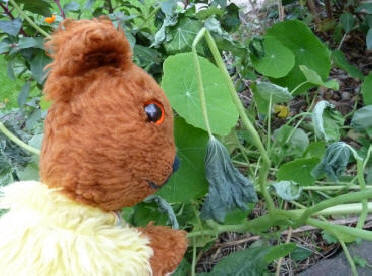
[(193, 264), (334, 201), (269, 125), (348, 256), (333, 188), (200, 80), (266, 163), (28, 19), (58, 2), (345, 209), (17, 141), (298, 86)]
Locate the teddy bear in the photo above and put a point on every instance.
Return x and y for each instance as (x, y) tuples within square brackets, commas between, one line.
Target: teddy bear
[(108, 143)]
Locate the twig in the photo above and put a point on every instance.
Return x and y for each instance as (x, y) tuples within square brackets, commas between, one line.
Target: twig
[(280, 10), (60, 8)]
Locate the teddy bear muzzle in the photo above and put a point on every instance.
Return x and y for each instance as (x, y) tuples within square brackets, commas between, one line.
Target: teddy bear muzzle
[(176, 166)]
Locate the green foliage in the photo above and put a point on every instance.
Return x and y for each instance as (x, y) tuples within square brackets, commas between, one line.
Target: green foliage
[(367, 90), (228, 188), (341, 62), (280, 66), (277, 60), (189, 181), (308, 51), (251, 261), (299, 171), (180, 85)]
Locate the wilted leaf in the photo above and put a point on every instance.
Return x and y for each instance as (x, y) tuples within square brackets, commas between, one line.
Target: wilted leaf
[(276, 61), (228, 188), (367, 90), (308, 51), (11, 27), (251, 261), (181, 86), (189, 181), (298, 171), (287, 190), (334, 162), (327, 121), (164, 207), (362, 118)]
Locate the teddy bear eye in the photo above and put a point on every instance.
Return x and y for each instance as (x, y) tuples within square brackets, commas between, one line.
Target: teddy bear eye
[(155, 112)]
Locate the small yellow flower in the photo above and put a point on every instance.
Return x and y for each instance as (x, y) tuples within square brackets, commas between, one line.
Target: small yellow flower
[(282, 111), (6, 100), (51, 19)]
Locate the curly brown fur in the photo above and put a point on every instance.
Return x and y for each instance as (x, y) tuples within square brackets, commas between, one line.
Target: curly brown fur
[(98, 144), (169, 247)]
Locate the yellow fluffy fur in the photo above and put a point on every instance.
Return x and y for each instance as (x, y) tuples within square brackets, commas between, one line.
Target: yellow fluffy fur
[(46, 233)]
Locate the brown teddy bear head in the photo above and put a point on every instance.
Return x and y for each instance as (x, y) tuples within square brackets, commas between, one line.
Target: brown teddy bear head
[(108, 138)]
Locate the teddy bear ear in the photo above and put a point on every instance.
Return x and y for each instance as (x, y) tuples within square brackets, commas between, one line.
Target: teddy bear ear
[(79, 46)]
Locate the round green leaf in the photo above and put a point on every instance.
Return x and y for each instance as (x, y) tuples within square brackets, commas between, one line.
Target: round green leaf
[(181, 86), (189, 181), (277, 61), (308, 51)]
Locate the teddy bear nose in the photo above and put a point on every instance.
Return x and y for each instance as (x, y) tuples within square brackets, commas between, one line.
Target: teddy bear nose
[(176, 164)]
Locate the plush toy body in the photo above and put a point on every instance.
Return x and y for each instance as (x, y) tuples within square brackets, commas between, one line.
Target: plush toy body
[(108, 143)]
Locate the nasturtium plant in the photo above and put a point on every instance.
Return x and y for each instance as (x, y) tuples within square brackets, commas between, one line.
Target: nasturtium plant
[(308, 51), (277, 60), (181, 86), (189, 181)]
